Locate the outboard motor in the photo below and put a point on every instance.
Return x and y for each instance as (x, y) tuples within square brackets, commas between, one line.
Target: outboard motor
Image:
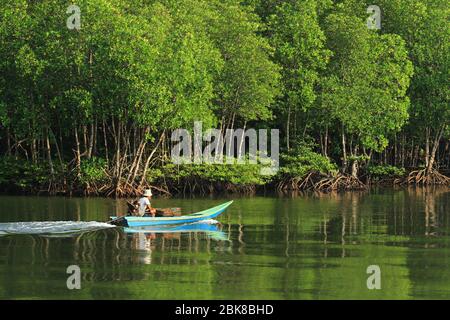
[(119, 222)]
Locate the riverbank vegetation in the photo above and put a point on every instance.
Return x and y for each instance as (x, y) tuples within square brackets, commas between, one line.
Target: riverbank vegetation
[(91, 111)]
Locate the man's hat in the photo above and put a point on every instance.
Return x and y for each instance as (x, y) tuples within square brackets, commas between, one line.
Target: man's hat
[(148, 193)]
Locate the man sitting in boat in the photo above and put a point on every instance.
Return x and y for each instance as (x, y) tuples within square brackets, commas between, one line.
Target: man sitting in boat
[(145, 207)]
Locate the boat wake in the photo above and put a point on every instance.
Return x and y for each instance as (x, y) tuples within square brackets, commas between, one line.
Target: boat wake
[(50, 228)]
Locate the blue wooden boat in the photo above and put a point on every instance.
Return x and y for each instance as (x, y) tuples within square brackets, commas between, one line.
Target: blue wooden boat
[(131, 221)]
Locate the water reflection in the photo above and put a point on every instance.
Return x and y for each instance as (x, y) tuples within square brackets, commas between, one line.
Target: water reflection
[(143, 237), (309, 246), (417, 212), (211, 228)]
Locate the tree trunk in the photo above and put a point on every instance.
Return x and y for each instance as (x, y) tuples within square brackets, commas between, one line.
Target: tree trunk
[(355, 168), (288, 127), (117, 138), (446, 152), (427, 146), (105, 141), (219, 151), (58, 151), (242, 141), (395, 150), (435, 148), (416, 156), (355, 164), (49, 153), (125, 139), (33, 151), (147, 162), (231, 136), (138, 157), (77, 154), (8, 142), (85, 140), (344, 152), (91, 142), (403, 151), (94, 143)]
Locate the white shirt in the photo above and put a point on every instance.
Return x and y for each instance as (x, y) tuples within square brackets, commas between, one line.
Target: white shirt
[(143, 203)]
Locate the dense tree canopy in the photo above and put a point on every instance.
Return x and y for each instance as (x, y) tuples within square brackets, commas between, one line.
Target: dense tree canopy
[(91, 110)]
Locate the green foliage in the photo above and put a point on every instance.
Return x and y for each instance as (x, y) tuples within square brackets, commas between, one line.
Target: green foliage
[(245, 174), (249, 82), (385, 171), (154, 175), (22, 175), (75, 106), (300, 49), (93, 170), (424, 26), (359, 158), (137, 69), (366, 82), (303, 160)]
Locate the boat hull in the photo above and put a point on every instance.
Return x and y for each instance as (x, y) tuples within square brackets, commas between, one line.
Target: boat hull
[(177, 228), (164, 221)]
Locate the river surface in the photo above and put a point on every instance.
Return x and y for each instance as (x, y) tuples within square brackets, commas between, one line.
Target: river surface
[(316, 246)]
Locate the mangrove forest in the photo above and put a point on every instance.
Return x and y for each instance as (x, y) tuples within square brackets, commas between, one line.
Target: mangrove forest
[(91, 91)]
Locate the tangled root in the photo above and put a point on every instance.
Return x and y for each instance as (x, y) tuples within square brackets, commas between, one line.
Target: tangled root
[(319, 182), (422, 177), (245, 189), (298, 183), (340, 182)]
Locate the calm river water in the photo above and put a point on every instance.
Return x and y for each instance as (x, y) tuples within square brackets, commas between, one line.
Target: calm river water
[(297, 247)]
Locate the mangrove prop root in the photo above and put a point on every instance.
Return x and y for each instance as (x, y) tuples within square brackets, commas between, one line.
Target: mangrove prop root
[(311, 181), (423, 177), (319, 182)]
